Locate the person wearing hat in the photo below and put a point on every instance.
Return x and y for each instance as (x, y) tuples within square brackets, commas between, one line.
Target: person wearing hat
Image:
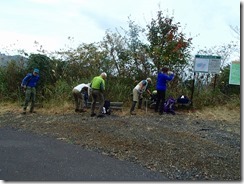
[(29, 85), (97, 93), (80, 92), (137, 93), (163, 77)]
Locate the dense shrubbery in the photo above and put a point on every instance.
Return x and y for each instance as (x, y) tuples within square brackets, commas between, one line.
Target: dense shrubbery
[(56, 84)]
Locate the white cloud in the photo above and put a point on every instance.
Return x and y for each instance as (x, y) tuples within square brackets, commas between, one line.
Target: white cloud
[(14, 41), (50, 2), (51, 22)]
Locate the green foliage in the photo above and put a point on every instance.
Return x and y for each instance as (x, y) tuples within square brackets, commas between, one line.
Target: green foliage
[(119, 89), (62, 90), (45, 65), (168, 46), (59, 92), (9, 81), (223, 82), (234, 101)]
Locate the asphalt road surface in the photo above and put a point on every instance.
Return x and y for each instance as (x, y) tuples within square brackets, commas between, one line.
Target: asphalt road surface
[(25, 156)]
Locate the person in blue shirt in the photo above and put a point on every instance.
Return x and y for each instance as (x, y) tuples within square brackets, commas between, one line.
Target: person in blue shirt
[(163, 77), (29, 84)]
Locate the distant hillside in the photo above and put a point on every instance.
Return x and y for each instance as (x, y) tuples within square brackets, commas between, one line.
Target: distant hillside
[(5, 59)]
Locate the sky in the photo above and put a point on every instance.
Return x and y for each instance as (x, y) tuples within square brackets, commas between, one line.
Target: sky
[(51, 22)]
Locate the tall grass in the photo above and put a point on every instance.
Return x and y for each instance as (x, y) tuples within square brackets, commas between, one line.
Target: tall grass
[(59, 94)]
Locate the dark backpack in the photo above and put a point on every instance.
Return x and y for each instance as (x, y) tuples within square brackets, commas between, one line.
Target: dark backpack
[(106, 107), (184, 100)]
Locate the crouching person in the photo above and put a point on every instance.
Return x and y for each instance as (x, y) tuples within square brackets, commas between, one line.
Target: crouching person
[(79, 94), (137, 93), (97, 94)]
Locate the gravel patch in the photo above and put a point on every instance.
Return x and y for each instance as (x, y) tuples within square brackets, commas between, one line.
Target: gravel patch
[(181, 146)]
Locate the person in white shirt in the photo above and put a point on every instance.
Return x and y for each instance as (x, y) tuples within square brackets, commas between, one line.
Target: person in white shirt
[(79, 93), (138, 91)]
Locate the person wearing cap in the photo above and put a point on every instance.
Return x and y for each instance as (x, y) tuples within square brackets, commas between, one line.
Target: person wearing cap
[(138, 90), (163, 77), (80, 94), (29, 84), (97, 94)]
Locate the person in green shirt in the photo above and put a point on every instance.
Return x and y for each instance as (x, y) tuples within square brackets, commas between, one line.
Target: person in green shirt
[(97, 94)]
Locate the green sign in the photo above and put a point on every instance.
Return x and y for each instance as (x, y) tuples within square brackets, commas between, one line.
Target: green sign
[(234, 77)]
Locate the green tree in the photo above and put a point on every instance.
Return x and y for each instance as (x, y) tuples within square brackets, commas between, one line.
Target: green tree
[(114, 46), (45, 65), (10, 81), (141, 65), (168, 46)]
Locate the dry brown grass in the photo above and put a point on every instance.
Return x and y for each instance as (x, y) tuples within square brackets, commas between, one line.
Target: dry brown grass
[(223, 113)]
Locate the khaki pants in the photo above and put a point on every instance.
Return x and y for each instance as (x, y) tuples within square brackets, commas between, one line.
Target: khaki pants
[(30, 94), (136, 95), (79, 99)]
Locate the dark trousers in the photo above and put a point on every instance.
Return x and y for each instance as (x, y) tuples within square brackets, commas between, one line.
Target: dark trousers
[(160, 101), (97, 95)]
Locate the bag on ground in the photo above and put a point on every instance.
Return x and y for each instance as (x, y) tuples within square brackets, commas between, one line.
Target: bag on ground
[(106, 107), (182, 99), (169, 105)]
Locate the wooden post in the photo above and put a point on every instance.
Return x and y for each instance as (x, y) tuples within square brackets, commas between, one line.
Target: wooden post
[(215, 79), (192, 89)]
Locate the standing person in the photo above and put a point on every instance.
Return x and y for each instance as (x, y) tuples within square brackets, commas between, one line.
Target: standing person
[(79, 93), (97, 93), (137, 93), (29, 84), (163, 77)]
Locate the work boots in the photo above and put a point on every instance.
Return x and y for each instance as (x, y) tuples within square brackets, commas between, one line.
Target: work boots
[(140, 103), (24, 111), (133, 108)]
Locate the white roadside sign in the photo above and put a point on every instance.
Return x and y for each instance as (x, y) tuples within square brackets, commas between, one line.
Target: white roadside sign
[(207, 64)]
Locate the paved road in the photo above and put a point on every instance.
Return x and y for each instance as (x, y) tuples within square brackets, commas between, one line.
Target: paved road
[(29, 157)]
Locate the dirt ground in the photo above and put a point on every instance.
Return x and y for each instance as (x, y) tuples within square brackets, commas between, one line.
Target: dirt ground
[(191, 145)]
